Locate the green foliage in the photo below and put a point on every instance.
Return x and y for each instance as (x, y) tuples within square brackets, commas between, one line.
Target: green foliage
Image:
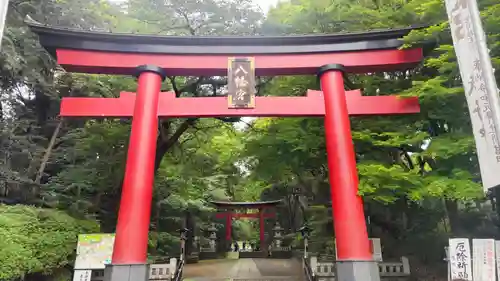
[(37, 240), (386, 145)]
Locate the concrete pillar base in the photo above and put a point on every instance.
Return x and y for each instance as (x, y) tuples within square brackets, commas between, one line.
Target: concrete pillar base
[(126, 272), (357, 271)]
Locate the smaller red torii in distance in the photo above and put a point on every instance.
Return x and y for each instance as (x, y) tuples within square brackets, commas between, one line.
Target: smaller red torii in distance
[(230, 213), (169, 106), (228, 217)]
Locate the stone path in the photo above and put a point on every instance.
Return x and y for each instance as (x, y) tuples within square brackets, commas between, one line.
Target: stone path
[(243, 270)]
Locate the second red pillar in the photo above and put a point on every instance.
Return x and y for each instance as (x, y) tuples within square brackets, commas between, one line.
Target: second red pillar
[(355, 262)]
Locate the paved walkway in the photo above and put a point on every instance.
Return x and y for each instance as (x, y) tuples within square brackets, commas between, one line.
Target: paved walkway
[(243, 269)]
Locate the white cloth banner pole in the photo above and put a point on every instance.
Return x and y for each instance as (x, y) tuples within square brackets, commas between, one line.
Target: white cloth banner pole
[(481, 92), (4, 4)]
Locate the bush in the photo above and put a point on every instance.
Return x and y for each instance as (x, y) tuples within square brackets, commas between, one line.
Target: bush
[(35, 240)]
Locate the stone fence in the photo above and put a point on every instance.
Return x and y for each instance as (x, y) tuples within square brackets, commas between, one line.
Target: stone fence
[(325, 270), (157, 272)]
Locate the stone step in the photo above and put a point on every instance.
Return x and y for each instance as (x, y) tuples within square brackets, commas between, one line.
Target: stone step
[(260, 278), (268, 278)]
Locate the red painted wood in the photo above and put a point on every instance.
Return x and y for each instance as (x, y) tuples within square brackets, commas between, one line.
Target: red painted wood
[(172, 107), (350, 228), (229, 227), (265, 65), (262, 230), (131, 240)]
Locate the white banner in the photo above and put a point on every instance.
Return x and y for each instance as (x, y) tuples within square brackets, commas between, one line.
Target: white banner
[(460, 259), (483, 254), (4, 5), (479, 83), (497, 254)]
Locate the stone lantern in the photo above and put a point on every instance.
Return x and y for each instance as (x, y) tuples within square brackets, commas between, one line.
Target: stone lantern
[(212, 237), (278, 235)]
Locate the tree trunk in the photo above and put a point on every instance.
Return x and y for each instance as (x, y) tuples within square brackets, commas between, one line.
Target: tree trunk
[(452, 213), (48, 152)]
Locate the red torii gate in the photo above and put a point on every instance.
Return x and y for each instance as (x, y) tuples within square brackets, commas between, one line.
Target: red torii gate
[(229, 214), (151, 58)]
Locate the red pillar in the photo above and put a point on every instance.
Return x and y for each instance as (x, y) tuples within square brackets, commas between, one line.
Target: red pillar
[(261, 229), (229, 225), (348, 214), (131, 240)]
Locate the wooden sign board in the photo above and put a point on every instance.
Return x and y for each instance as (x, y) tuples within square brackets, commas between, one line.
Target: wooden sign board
[(241, 83), (94, 251)]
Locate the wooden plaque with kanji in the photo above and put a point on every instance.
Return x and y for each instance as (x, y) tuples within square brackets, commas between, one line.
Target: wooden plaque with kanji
[(241, 83)]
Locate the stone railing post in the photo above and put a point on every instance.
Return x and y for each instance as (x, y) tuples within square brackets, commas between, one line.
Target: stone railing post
[(406, 265)]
